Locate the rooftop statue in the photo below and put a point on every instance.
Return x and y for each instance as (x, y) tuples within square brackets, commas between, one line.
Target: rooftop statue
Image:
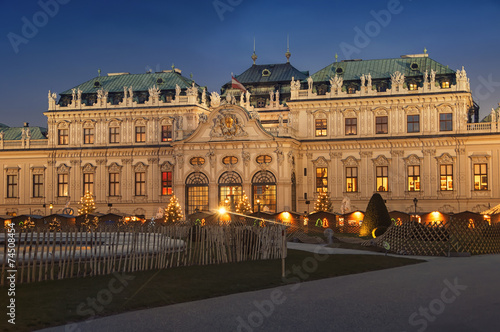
[(336, 82), (214, 99), (397, 78)]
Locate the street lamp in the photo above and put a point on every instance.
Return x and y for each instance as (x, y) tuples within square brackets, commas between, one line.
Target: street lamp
[(258, 205), (51, 206)]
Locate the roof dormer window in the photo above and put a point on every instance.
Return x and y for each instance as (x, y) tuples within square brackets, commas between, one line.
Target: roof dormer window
[(266, 72)]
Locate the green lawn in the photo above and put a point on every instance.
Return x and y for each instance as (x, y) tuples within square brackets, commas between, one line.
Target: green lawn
[(53, 303)]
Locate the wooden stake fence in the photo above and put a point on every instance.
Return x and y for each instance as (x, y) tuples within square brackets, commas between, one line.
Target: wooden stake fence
[(42, 255)]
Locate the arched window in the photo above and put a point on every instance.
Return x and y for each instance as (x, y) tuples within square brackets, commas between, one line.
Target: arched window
[(196, 192), (230, 190), (264, 192)]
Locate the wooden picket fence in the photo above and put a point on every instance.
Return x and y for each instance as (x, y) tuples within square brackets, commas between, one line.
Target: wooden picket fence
[(441, 238), (42, 255)]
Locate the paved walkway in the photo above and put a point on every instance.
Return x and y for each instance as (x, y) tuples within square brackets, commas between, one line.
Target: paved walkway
[(443, 294)]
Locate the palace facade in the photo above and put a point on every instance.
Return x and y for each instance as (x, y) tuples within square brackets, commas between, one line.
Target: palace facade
[(405, 127)]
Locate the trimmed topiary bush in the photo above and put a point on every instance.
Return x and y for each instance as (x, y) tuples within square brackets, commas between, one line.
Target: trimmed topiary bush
[(376, 215)]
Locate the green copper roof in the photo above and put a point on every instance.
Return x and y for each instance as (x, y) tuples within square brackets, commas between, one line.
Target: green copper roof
[(281, 72), (138, 82), (381, 69), (16, 133)]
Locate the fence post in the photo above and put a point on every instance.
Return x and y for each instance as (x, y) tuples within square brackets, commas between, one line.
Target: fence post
[(283, 253)]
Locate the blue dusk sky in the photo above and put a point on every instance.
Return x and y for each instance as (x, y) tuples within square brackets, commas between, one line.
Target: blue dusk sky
[(58, 44)]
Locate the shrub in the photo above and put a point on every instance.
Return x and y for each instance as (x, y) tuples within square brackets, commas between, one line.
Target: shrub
[(376, 215)]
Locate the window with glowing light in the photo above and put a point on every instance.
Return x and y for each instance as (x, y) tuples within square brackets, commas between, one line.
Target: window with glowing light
[(446, 177), (351, 175), (166, 183), (140, 134), (382, 178), (263, 159), (320, 126), (413, 178), (480, 177), (196, 192), (63, 185), (88, 182), (230, 190), (63, 136), (88, 135), (351, 126), (197, 161), (321, 179), (264, 192)]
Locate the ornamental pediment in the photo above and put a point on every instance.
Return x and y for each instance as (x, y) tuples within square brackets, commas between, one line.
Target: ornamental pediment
[(445, 158), (229, 123), (381, 160), (350, 162), (320, 162)]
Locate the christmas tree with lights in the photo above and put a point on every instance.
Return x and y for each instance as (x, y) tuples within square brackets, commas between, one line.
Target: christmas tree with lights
[(28, 224), (55, 225), (323, 203), (90, 224), (173, 212), (243, 205), (87, 204)]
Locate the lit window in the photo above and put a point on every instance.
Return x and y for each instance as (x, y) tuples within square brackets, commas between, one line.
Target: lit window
[(12, 186), (382, 178), (351, 90), (321, 179), (114, 135), (351, 126), (381, 125), (166, 133), (263, 159), (88, 135), (320, 125), (166, 183), (446, 177), (63, 137), (114, 184), (413, 178), (445, 84), (351, 175), (230, 160), (445, 122), (197, 195), (88, 182), (412, 86), (264, 192), (197, 161), (413, 123), (140, 134), (480, 177), (62, 185), (140, 184), (37, 185)]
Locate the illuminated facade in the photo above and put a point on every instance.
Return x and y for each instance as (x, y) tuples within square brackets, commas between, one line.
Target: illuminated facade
[(406, 128)]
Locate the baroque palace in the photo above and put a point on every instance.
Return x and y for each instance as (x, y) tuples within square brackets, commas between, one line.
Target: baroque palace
[(403, 127)]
